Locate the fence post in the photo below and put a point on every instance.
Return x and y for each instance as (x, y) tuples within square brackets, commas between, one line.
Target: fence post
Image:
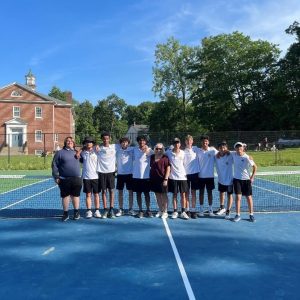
[(45, 153)]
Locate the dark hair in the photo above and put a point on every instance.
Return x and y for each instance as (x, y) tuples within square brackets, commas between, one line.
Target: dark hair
[(142, 137), (65, 141), (204, 137), (223, 143), (124, 139), (105, 133)]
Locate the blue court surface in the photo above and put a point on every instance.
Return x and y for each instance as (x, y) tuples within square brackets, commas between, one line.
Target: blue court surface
[(129, 258)]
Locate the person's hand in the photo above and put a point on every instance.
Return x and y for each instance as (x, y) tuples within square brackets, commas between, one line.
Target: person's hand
[(165, 182), (57, 180)]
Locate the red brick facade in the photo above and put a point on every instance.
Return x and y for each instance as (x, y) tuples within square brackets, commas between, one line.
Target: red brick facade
[(37, 119)]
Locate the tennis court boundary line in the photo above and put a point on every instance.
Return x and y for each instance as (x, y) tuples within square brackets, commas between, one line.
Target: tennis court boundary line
[(20, 201), (259, 187), (179, 263)]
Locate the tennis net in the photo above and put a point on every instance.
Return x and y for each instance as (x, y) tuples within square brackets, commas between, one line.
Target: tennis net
[(38, 196)]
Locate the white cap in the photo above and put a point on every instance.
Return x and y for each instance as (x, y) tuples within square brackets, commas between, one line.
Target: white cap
[(240, 144)]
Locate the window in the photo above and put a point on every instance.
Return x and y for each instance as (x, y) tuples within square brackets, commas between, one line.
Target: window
[(55, 137), (38, 136), (16, 93), (16, 112), (38, 152), (38, 112)]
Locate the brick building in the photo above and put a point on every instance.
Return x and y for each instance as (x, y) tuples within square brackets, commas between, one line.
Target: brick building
[(31, 122)]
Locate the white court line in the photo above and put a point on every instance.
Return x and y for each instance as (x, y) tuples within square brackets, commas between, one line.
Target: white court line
[(179, 263), (21, 187), (277, 193), (20, 201), (51, 249)]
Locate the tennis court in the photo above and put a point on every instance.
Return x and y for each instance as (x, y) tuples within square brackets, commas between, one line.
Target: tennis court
[(130, 258)]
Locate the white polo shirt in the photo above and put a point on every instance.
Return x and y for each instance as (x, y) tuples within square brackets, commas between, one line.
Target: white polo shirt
[(241, 165), (125, 160), (89, 164), (141, 163), (177, 165), (224, 165), (206, 160), (107, 159), (191, 162)]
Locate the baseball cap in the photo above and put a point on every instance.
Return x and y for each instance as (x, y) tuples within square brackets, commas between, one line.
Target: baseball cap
[(176, 140), (238, 144), (223, 143), (88, 139)]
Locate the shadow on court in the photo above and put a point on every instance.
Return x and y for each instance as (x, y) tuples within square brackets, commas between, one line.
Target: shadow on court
[(128, 258)]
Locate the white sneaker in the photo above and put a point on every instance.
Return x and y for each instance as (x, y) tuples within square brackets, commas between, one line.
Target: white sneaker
[(184, 215), (158, 214), (120, 213), (131, 212), (201, 213), (97, 214), (211, 213), (164, 215), (220, 211), (174, 215), (227, 216), (237, 218), (88, 214)]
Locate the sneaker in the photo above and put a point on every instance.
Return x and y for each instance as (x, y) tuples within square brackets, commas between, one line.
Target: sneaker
[(193, 215), (164, 215), (111, 214), (184, 215), (140, 214), (211, 213), (148, 214), (220, 211), (201, 213), (120, 213), (105, 213), (237, 218), (76, 215), (97, 214), (227, 215), (65, 217), (88, 214), (188, 213), (131, 212), (174, 215), (158, 214), (252, 219)]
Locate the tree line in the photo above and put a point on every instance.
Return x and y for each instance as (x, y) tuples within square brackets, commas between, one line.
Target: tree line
[(229, 82)]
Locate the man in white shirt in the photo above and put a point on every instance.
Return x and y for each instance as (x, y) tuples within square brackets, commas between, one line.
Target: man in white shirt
[(88, 158), (177, 178), (224, 163), (141, 174), (206, 157), (124, 177), (106, 169), (242, 180), (192, 169)]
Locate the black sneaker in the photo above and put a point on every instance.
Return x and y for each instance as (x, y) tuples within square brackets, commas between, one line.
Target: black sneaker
[(252, 219), (149, 214), (76, 215), (111, 214), (193, 215), (65, 217), (189, 213)]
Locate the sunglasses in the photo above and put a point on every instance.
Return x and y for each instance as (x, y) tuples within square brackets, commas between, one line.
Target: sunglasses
[(158, 148)]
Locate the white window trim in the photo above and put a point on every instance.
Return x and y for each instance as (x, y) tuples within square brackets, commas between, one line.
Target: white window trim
[(38, 152), (38, 117), (14, 116), (16, 93), (35, 134)]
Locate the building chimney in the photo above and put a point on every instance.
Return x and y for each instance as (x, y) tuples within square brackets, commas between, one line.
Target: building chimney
[(69, 97)]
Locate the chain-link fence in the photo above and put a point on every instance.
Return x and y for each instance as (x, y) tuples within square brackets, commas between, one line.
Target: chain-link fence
[(26, 150)]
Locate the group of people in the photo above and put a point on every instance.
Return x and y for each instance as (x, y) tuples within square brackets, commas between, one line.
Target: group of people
[(141, 170)]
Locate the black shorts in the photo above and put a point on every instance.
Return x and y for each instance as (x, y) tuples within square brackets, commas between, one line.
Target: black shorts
[(243, 187), (106, 181), (141, 185), (157, 186), (124, 179), (91, 186), (70, 186), (209, 183), (193, 181), (178, 186), (225, 188)]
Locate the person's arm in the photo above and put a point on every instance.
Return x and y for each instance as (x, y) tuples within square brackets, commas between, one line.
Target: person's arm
[(254, 168), (165, 182), (55, 172)]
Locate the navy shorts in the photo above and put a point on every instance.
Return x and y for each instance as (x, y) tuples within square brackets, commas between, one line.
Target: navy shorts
[(209, 183), (106, 181), (193, 181), (225, 188), (243, 187), (178, 186), (141, 185)]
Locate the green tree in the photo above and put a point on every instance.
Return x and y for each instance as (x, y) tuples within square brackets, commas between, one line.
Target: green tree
[(139, 114), (57, 94), (170, 74)]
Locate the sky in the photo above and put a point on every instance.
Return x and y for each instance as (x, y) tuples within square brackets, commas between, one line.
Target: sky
[(95, 48)]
